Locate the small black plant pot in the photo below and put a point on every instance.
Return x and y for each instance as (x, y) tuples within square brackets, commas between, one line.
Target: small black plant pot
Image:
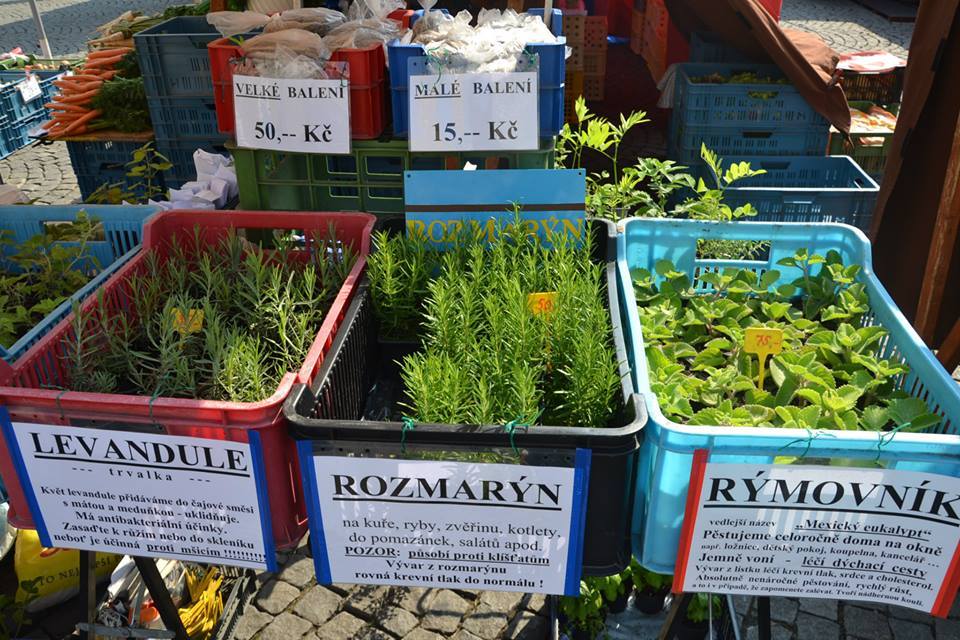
[(650, 602), (620, 604), (687, 630)]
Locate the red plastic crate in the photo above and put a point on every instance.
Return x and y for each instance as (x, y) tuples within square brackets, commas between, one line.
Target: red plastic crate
[(369, 93), (30, 387), (401, 17)]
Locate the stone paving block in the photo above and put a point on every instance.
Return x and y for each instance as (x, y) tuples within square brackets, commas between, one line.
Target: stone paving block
[(445, 612), (912, 615), (342, 589), (397, 621), (372, 601), (275, 596), (866, 623), (906, 630), (417, 599), (422, 634), (463, 634), (342, 626), (535, 602), (286, 626), (955, 610), (526, 626), (947, 629), (816, 628), (299, 572), (487, 621), (784, 609), (249, 623), (828, 609), (505, 601), (372, 633), (777, 632), (317, 605)]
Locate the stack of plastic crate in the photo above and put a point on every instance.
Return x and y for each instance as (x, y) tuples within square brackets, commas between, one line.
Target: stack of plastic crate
[(637, 24), (594, 57), (654, 45), (574, 28)]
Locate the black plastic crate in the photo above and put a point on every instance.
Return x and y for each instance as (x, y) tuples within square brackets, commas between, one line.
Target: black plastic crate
[(358, 385), (880, 88)]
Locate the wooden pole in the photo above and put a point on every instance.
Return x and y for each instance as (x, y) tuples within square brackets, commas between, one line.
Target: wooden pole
[(942, 245)]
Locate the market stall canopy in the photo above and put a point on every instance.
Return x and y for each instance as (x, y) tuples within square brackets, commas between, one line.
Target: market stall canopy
[(745, 25)]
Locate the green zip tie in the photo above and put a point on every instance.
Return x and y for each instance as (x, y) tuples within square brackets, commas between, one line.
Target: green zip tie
[(811, 436), (886, 438), (59, 406), (408, 425)]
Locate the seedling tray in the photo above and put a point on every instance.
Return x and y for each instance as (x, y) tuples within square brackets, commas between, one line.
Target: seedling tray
[(354, 399), (122, 230), (668, 447), (33, 389)]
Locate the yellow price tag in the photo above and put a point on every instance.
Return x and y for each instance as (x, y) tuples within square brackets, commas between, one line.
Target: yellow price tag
[(763, 342), (191, 323), (542, 303)]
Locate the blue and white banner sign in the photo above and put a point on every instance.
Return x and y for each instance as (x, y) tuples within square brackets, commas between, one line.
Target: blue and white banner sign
[(444, 524), (144, 494)]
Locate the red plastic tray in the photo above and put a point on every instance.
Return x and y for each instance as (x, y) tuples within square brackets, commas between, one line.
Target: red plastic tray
[(29, 386), (368, 86)]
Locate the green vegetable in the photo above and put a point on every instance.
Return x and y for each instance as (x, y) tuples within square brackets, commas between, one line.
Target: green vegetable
[(487, 358), (123, 102), (830, 374), (260, 312), (42, 272), (702, 606), (585, 612)]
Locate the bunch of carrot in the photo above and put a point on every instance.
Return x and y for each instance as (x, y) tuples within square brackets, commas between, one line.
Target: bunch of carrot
[(71, 109)]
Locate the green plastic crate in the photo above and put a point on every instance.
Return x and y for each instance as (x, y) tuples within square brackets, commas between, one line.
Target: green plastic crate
[(370, 179), (872, 159)]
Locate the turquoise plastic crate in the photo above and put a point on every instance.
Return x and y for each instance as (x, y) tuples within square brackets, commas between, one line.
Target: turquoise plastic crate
[(122, 227), (805, 189), (667, 451), (11, 102)]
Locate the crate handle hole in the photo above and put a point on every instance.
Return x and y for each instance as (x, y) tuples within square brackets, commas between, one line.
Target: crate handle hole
[(758, 134)]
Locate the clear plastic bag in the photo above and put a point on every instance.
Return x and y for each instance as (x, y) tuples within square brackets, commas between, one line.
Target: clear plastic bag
[(291, 53), (316, 20), (361, 34), (231, 23), (363, 9)]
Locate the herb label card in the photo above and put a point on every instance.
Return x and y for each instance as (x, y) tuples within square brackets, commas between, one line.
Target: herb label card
[(876, 535), (142, 494), (455, 525)]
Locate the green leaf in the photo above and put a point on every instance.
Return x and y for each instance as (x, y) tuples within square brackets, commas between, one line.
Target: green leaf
[(875, 418)]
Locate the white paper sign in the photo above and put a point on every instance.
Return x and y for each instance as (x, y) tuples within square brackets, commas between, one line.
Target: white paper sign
[(474, 112), (446, 524), (142, 494), (822, 532), (30, 88), (309, 116)]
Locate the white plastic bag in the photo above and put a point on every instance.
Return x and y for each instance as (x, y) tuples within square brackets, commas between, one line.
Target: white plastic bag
[(231, 23), (361, 34), (316, 19)]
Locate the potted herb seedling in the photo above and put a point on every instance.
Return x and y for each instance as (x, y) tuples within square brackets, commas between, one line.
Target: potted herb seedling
[(615, 590), (696, 622), (582, 617), (651, 589)]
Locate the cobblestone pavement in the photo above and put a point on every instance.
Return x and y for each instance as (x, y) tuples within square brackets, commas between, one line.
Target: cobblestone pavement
[(291, 605), (847, 26), (43, 173)]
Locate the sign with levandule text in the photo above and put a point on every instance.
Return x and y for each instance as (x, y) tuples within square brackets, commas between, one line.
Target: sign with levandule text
[(809, 531), (308, 116), (193, 499), (474, 112), (444, 524)]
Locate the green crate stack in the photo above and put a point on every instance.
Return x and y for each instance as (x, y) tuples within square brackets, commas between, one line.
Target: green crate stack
[(871, 158), (370, 179)]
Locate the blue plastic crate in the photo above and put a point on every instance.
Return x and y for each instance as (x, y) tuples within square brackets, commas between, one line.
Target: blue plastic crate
[(11, 102), (707, 47), (173, 58), (667, 451), (685, 142), (762, 106), (804, 189), (16, 136), (123, 230), (191, 120), (551, 78), (97, 163)]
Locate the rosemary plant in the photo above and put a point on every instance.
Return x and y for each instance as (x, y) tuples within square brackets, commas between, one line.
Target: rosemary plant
[(221, 322)]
